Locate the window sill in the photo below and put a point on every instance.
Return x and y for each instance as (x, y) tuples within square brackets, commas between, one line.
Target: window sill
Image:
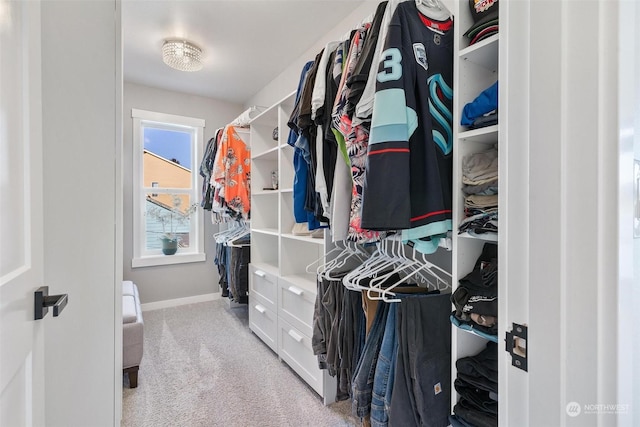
[(154, 260)]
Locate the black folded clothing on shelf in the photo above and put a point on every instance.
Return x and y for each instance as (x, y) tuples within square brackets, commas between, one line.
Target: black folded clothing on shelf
[(476, 298), (477, 385), (481, 370), (484, 279), (476, 397), (486, 223), (463, 409), (456, 421)]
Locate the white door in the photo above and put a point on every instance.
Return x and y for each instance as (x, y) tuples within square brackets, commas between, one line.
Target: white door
[(60, 91), (568, 191), (21, 256)]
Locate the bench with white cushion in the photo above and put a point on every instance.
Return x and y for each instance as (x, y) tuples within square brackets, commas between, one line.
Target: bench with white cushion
[(132, 332)]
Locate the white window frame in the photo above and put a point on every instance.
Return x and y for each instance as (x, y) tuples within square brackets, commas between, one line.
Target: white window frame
[(142, 257)]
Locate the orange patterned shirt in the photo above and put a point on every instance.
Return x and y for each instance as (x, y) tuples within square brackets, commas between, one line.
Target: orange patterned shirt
[(232, 172)]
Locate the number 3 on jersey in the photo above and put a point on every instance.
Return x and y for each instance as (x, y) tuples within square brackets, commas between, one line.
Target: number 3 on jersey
[(392, 66)]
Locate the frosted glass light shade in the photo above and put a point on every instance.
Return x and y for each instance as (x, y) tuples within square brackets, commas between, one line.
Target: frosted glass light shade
[(182, 55)]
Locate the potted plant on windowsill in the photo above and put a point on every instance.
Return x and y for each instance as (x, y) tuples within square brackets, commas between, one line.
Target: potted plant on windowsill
[(171, 217)]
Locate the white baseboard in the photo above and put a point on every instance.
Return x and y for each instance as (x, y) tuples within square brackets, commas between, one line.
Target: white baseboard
[(179, 301)]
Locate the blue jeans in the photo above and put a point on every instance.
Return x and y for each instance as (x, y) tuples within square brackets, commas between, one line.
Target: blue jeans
[(364, 373), (385, 369)]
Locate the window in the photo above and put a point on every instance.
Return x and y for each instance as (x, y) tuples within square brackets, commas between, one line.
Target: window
[(165, 174)]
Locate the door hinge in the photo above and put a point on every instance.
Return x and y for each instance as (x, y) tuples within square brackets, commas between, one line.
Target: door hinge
[(516, 345)]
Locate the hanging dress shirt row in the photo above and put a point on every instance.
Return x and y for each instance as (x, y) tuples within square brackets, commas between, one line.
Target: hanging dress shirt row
[(372, 129), (226, 169), (226, 172)]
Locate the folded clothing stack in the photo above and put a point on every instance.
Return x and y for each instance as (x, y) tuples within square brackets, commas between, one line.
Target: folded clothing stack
[(483, 110), (480, 186), (476, 297), (477, 385)]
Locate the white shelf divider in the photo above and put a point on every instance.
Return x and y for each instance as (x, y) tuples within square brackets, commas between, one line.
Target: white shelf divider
[(273, 248)]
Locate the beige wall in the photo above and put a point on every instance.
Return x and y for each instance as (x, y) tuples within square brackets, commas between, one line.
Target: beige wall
[(168, 282), (173, 175)]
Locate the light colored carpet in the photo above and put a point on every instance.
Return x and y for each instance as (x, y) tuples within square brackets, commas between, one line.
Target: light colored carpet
[(202, 366)]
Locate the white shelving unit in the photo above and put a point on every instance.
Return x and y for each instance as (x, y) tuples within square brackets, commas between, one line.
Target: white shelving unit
[(277, 272), (475, 69), (281, 293)]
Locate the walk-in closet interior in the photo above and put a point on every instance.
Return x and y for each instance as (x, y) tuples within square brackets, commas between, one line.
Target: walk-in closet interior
[(370, 208), (358, 216), (319, 213), (389, 147)]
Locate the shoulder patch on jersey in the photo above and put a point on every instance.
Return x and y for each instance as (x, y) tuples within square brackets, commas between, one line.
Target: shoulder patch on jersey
[(421, 55)]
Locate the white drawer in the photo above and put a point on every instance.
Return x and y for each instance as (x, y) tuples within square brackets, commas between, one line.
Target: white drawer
[(264, 284), (263, 321), (296, 351), (296, 302)]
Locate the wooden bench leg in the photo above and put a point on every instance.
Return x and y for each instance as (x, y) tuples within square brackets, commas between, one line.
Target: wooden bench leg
[(133, 376)]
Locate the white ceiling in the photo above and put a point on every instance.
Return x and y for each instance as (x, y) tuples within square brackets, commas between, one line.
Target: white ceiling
[(246, 43)]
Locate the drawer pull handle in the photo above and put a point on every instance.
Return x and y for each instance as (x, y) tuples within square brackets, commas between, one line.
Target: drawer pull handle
[(295, 336), (295, 290), (260, 309), (259, 273)]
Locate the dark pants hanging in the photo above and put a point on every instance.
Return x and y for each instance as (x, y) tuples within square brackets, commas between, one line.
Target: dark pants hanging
[(422, 384), (351, 332), (221, 262), (238, 259)]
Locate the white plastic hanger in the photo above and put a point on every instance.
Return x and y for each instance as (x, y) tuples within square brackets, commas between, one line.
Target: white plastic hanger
[(387, 259), (434, 9), (370, 264), (240, 228), (369, 268), (385, 292), (352, 251), (343, 251), (308, 268), (416, 265), (403, 263), (220, 236), (341, 246), (239, 233)]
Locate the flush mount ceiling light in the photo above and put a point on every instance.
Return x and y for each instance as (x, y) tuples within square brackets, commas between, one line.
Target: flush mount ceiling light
[(182, 55)]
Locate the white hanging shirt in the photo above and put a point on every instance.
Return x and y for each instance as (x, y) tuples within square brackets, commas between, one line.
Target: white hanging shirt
[(319, 86)]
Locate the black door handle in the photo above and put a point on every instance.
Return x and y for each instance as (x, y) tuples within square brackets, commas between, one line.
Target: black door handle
[(43, 301)]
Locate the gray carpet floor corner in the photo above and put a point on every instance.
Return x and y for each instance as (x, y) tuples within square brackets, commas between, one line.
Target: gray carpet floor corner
[(202, 366)]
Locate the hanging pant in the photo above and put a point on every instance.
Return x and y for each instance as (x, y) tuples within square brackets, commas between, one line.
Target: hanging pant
[(365, 371), (422, 384), (351, 339), (385, 371)]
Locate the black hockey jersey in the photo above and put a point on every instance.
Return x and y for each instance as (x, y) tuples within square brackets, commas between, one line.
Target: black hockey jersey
[(409, 171)]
